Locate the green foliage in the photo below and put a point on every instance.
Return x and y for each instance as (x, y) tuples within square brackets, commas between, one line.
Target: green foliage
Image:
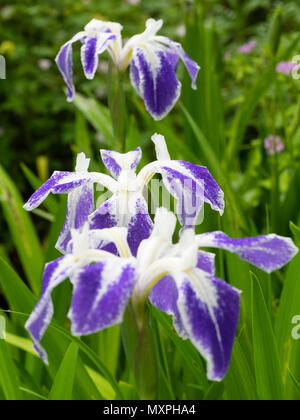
[(240, 100)]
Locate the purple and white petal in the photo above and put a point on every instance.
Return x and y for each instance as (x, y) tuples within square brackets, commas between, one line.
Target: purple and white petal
[(177, 50), (80, 206), (164, 296), (128, 210), (91, 48), (209, 310), (191, 185), (206, 262), (38, 322), (65, 64), (154, 78), (269, 252), (101, 294), (42, 193), (116, 162)]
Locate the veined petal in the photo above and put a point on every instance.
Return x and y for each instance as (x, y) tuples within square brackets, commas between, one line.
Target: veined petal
[(176, 48), (80, 206), (42, 193), (206, 262), (164, 296), (269, 252), (101, 294), (116, 162), (209, 310), (91, 48), (65, 64), (125, 209), (154, 78), (64, 183), (38, 322), (190, 184)]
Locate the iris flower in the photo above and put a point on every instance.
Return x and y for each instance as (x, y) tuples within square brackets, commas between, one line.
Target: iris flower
[(190, 184), (178, 278), (152, 59)]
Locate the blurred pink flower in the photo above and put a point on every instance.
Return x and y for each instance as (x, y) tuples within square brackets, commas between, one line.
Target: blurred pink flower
[(227, 55), (286, 67), (133, 2), (273, 144), (247, 48), (44, 64)]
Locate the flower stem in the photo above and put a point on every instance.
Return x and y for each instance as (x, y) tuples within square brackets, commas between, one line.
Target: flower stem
[(117, 106), (140, 352)]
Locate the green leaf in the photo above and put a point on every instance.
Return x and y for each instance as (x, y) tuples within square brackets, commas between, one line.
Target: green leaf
[(295, 382), (266, 358), (62, 387), (239, 381), (8, 377), (97, 114), (22, 231), (289, 348), (18, 295)]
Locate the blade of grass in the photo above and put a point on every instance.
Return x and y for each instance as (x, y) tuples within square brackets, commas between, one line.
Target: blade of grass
[(62, 387), (22, 231), (266, 358)]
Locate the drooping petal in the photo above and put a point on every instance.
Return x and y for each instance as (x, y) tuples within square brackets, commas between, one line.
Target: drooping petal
[(209, 310), (101, 294), (65, 64), (80, 206), (116, 162), (154, 78), (269, 252), (64, 183), (164, 296), (177, 50), (191, 185), (128, 210), (38, 322), (91, 49)]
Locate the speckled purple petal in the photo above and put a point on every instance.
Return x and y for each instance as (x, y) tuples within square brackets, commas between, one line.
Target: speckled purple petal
[(192, 185), (132, 214), (116, 162), (65, 64), (212, 192), (59, 183), (91, 49), (164, 296), (154, 79), (269, 252), (80, 206), (209, 309), (101, 294), (206, 262), (38, 322), (191, 66)]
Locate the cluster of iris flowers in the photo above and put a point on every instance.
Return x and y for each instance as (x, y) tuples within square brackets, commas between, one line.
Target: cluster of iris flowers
[(115, 255)]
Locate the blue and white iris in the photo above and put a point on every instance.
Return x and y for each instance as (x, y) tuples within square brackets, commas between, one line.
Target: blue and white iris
[(152, 59)]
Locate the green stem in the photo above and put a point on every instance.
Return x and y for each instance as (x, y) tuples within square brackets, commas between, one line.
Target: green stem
[(117, 106), (140, 352)]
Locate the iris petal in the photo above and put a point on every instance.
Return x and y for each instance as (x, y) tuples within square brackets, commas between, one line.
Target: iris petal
[(38, 322), (269, 252), (154, 78), (101, 294)]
